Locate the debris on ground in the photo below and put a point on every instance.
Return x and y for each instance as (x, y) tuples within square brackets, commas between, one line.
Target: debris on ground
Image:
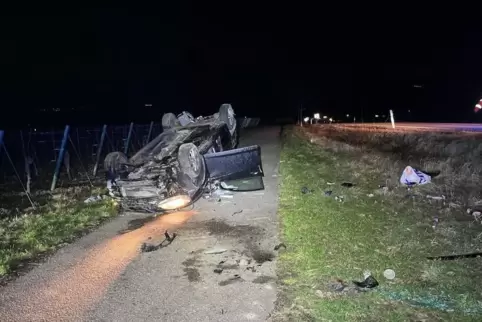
[(330, 183), (456, 256), (244, 262), (218, 270), (412, 177), (305, 190), (368, 283), (237, 212), (93, 199), (277, 247), (215, 251), (340, 198), (370, 195), (168, 237), (476, 214), (389, 274), (328, 193), (338, 286), (436, 197), (436, 221), (145, 248), (347, 184)]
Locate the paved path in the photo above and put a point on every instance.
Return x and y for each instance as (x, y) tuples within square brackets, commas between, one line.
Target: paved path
[(103, 277)]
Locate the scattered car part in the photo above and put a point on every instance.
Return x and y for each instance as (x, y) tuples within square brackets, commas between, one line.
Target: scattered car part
[(347, 184), (305, 190), (277, 247), (368, 283), (389, 274), (456, 256)]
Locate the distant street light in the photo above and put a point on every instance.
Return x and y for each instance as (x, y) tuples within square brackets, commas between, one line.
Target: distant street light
[(376, 115), (348, 115), (325, 117), (317, 116)]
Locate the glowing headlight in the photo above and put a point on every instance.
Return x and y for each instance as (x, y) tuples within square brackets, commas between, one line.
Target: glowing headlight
[(176, 202)]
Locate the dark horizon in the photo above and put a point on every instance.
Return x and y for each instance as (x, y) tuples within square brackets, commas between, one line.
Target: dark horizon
[(266, 61)]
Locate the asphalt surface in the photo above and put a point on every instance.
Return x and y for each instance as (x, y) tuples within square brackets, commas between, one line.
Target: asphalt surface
[(104, 276), (455, 127)]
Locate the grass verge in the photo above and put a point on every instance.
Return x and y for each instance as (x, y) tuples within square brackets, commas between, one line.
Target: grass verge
[(372, 229), (24, 238)]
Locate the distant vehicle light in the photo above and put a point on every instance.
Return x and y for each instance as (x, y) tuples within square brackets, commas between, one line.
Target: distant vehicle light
[(376, 115), (306, 119), (317, 116), (331, 120), (348, 115), (325, 117)]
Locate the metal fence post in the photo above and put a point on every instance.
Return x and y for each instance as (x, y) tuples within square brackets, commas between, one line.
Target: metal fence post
[(60, 158), (149, 133), (99, 148), (128, 141), (1, 139)]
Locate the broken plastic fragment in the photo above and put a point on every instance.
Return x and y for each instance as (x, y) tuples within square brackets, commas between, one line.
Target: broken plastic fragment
[(305, 190), (216, 251), (389, 274), (369, 282), (347, 184)]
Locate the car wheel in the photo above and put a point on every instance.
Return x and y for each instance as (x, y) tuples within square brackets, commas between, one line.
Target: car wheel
[(169, 120), (226, 115), (115, 163), (192, 168)]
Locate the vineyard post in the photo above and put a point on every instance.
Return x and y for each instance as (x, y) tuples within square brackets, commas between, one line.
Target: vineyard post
[(99, 148), (149, 133), (60, 158), (128, 141)]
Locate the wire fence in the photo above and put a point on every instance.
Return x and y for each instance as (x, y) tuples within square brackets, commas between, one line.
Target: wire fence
[(39, 159), (43, 159)]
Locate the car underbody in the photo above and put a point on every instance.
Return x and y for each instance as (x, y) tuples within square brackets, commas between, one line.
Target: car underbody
[(175, 168)]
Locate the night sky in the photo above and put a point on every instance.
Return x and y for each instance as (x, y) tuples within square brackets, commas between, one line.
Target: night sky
[(104, 64)]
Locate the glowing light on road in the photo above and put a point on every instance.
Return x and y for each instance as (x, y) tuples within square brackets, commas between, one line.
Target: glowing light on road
[(69, 294)]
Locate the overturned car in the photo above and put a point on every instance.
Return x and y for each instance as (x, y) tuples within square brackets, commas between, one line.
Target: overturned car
[(190, 156)]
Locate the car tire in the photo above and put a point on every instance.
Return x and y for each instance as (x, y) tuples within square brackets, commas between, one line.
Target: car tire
[(169, 120), (226, 115), (115, 163), (192, 168)]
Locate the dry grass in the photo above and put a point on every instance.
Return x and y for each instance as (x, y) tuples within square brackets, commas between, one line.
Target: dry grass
[(455, 155)]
